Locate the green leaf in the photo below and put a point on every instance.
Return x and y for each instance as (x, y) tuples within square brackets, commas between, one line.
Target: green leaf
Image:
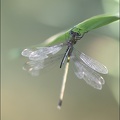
[(96, 22), (58, 38), (83, 27)]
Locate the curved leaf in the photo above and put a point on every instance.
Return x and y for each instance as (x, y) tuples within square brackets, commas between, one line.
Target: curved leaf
[(83, 27), (96, 22)]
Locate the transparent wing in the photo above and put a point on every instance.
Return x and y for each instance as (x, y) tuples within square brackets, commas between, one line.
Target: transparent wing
[(89, 75), (40, 57), (34, 67), (42, 52), (95, 65), (78, 70)]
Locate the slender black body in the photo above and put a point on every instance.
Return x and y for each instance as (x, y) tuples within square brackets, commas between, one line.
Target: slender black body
[(74, 37)]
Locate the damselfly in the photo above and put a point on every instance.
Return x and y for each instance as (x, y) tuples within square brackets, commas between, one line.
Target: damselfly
[(85, 67)]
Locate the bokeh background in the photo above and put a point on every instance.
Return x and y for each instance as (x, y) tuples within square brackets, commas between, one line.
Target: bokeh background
[(29, 22)]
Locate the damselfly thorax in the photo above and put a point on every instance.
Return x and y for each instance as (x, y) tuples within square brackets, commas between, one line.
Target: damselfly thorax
[(74, 37)]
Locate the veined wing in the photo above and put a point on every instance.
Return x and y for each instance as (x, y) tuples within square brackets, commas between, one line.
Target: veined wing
[(95, 65), (78, 69), (40, 57), (41, 53), (34, 67), (89, 75)]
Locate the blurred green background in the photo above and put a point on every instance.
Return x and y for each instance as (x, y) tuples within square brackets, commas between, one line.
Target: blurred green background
[(30, 22)]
